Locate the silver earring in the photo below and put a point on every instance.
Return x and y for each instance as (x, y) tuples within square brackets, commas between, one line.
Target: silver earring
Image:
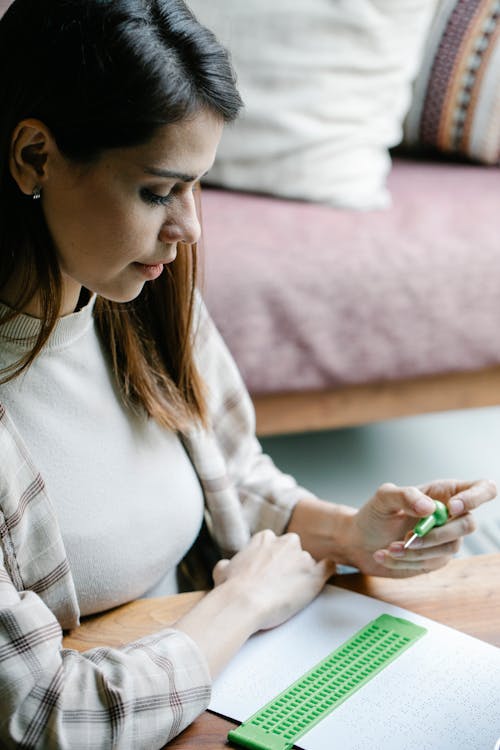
[(37, 192)]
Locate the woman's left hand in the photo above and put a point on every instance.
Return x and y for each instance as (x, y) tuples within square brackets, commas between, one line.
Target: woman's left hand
[(380, 528)]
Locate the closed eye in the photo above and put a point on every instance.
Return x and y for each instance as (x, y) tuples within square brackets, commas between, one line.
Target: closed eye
[(153, 199)]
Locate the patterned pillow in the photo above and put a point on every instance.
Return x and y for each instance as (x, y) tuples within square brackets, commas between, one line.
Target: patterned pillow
[(456, 101)]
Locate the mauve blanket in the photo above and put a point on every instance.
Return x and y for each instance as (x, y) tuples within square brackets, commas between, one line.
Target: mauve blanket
[(311, 297)]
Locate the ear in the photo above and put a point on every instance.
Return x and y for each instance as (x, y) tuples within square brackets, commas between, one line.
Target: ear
[(30, 148)]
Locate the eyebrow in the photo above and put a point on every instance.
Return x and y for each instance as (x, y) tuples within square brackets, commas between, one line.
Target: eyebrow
[(171, 175)]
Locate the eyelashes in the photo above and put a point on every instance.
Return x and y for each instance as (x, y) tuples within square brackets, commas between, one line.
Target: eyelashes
[(152, 199)]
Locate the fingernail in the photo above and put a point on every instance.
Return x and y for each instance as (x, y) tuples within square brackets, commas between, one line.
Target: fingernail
[(456, 507), (379, 556), (425, 506), (397, 552), (396, 547)]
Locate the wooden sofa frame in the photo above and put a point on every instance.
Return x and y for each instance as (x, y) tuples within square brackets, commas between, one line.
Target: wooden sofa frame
[(283, 413)]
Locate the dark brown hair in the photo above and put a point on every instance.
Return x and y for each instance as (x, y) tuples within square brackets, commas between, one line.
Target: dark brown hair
[(103, 74)]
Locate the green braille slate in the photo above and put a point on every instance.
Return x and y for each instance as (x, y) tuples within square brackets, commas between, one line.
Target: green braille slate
[(313, 696)]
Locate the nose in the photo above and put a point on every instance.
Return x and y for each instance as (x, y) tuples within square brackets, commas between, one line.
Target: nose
[(182, 224)]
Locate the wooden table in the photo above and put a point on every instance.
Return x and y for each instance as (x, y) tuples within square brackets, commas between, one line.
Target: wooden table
[(464, 595)]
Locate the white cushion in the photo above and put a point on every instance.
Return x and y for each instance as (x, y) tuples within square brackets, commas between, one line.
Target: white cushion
[(326, 84)]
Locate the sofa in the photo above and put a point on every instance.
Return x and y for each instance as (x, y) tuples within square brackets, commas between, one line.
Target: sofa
[(351, 241), (338, 318)]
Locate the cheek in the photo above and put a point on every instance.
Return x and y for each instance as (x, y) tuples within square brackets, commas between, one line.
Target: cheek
[(75, 216), (122, 219), (98, 224)]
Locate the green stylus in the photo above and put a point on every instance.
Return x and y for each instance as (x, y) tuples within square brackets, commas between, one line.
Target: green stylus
[(438, 518)]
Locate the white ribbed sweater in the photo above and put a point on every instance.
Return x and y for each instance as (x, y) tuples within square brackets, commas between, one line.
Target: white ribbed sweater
[(117, 481)]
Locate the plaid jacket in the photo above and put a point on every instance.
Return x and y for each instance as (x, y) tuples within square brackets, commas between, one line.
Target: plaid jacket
[(144, 694)]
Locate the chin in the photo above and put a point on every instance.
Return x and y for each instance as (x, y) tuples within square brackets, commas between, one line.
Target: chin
[(125, 295)]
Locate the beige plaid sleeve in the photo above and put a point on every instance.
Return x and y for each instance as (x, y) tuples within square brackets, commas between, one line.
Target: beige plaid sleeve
[(136, 697), (267, 495)]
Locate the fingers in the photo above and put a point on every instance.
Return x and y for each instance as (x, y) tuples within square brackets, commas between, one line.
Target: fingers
[(445, 488), (400, 555), (291, 544), (402, 568), (326, 569), (266, 548), (390, 499), (429, 552), (452, 530), (472, 497), (265, 536), (461, 496)]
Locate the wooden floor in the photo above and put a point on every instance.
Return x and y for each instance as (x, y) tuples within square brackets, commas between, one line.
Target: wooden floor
[(283, 413)]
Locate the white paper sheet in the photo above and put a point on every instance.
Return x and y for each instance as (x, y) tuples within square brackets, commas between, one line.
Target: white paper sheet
[(443, 693)]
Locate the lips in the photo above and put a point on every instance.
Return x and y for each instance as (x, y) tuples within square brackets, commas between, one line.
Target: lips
[(150, 271), (162, 261)]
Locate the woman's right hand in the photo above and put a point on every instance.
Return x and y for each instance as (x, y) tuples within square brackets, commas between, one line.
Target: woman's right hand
[(278, 577), (264, 584)]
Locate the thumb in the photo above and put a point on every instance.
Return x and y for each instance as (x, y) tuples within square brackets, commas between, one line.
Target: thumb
[(219, 572), (326, 568), (389, 499)]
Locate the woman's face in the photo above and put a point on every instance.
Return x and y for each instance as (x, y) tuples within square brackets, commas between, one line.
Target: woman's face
[(116, 223)]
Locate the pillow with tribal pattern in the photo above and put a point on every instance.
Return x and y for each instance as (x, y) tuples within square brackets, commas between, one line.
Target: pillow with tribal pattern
[(456, 100)]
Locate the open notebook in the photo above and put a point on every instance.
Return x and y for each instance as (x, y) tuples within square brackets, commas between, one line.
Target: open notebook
[(443, 693)]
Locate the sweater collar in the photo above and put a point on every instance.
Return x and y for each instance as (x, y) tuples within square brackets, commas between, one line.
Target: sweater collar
[(21, 331)]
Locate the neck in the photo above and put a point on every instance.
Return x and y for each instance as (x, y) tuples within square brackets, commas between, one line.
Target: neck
[(74, 297)]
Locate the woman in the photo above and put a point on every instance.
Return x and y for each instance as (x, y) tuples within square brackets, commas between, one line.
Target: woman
[(119, 392)]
